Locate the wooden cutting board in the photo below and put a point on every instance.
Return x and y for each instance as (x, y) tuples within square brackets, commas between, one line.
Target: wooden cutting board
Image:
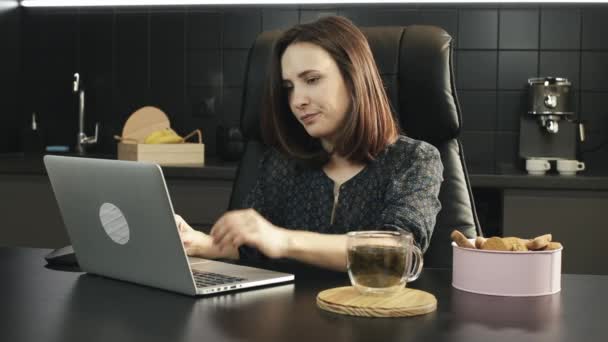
[(348, 301), (143, 122)]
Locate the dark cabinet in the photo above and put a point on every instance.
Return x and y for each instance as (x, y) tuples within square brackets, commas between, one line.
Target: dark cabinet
[(31, 217), (577, 219), (200, 202), (572, 209)]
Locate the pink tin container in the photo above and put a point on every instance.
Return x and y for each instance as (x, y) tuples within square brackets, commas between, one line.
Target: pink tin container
[(499, 273)]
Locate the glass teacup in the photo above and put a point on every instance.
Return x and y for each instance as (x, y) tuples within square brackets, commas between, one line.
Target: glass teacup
[(382, 262)]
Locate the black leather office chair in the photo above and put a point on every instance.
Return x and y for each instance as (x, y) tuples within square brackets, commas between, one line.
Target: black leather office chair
[(416, 65)]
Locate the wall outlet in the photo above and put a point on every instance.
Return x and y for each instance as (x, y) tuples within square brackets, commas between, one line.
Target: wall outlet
[(205, 108)]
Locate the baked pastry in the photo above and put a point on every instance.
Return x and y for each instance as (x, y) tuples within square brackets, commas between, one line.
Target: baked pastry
[(461, 240), (516, 244)]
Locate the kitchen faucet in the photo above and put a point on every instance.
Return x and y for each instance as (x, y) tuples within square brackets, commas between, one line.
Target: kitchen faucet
[(82, 140)]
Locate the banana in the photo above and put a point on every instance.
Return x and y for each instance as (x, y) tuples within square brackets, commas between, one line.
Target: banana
[(163, 136), (169, 139), (153, 136)]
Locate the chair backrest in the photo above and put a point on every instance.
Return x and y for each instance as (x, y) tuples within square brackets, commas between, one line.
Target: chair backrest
[(415, 63)]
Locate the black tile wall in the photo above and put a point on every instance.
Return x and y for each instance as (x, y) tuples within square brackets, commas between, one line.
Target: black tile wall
[(507, 152), (518, 29), (241, 27), (595, 112), (279, 19), (232, 106), (595, 150), (167, 49), (204, 30), (476, 69), (202, 107), (511, 105), (446, 19), (96, 65), (203, 102), (478, 29), (96, 48), (48, 70), (515, 67), (60, 46), (595, 28), (479, 151), (235, 64), (204, 68), (380, 17), (560, 29), (167, 64), (33, 33), (561, 63), (190, 61), (307, 16), (594, 71), (10, 64), (132, 64), (478, 110)]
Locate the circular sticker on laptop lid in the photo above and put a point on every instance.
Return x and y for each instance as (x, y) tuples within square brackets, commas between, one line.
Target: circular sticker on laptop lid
[(114, 223)]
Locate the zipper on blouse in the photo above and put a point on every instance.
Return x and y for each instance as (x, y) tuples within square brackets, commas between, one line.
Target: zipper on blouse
[(336, 196)]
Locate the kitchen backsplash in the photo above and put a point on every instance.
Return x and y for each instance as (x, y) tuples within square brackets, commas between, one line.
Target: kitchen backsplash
[(10, 57), (190, 62)]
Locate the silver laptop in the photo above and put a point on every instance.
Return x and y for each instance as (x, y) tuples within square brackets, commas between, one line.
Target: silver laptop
[(120, 220)]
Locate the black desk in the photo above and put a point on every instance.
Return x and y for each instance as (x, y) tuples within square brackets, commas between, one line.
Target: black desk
[(39, 304)]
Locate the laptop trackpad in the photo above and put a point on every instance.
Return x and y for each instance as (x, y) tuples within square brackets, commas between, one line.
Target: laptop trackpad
[(197, 261)]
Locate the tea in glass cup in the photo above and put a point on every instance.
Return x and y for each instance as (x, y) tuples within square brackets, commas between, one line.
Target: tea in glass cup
[(382, 262)]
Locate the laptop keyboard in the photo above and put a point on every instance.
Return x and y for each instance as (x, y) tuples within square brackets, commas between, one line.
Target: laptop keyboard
[(204, 279)]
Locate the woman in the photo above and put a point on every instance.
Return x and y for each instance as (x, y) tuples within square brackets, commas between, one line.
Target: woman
[(336, 161)]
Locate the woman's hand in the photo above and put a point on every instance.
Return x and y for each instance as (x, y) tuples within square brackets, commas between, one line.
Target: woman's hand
[(190, 238), (248, 227), (200, 244)]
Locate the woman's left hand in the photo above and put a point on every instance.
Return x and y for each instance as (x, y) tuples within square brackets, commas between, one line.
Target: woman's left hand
[(248, 227)]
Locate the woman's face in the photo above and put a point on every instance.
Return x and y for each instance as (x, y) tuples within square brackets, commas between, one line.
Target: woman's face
[(317, 94)]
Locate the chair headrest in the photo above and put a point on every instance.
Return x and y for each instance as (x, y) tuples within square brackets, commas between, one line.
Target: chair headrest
[(415, 63)]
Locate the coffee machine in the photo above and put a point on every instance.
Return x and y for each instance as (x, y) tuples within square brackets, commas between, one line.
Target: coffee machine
[(549, 130)]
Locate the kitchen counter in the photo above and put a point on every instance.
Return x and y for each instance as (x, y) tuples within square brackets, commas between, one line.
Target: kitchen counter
[(549, 181), (20, 164), (17, 163)]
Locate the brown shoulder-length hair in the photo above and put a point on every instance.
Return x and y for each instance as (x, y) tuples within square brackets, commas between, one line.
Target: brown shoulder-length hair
[(367, 130)]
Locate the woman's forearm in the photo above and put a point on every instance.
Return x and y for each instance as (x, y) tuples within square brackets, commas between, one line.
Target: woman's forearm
[(325, 250)]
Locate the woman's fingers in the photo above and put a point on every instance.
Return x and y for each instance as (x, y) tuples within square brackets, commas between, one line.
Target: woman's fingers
[(217, 227), (229, 235), (234, 228), (238, 241), (185, 236), (217, 232), (182, 226), (226, 240), (186, 241), (223, 226)]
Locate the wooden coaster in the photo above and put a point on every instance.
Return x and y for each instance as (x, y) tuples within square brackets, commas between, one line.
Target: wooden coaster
[(348, 301)]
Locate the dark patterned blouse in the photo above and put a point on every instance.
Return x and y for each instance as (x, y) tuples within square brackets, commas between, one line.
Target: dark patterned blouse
[(398, 189)]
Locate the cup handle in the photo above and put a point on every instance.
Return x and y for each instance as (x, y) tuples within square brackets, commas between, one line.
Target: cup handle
[(580, 166), (416, 265)]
